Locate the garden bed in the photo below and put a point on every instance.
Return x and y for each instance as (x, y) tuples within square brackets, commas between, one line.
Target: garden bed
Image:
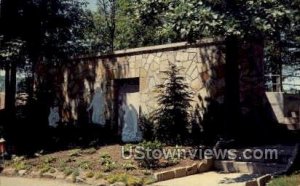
[(91, 165)]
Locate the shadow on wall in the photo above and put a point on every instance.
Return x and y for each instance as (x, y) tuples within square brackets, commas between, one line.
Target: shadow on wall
[(70, 86), (208, 121)]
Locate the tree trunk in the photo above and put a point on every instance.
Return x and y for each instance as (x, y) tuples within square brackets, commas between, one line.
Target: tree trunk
[(232, 96), (10, 90)]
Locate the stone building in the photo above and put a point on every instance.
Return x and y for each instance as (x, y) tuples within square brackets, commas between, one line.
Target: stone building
[(101, 89)]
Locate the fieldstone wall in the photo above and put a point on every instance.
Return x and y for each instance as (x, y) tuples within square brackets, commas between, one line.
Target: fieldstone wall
[(202, 65)]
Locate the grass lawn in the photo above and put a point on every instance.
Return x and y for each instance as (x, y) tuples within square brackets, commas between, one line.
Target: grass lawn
[(293, 180)]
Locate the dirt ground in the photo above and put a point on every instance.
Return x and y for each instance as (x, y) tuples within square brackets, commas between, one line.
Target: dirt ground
[(86, 164)]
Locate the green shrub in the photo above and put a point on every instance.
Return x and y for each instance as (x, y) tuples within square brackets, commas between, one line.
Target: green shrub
[(172, 117), (107, 163), (20, 165), (147, 127), (145, 161)]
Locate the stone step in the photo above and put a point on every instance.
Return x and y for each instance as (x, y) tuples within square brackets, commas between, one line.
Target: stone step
[(282, 154), (248, 167)]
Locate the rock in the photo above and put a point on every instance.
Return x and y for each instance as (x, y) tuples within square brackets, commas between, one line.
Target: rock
[(166, 175), (118, 184), (263, 180), (180, 172), (70, 179), (251, 183), (22, 172), (48, 176), (35, 174), (60, 175), (101, 183), (80, 180), (205, 165), (9, 171), (193, 169)]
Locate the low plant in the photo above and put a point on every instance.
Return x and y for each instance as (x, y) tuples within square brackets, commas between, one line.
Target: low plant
[(75, 153), (49, 160), (85, 165), (292, 180), (46, 168), (99, 175), (129, 180), (62, 164), (89, 174), (145, 147), (89, 151), (52, 170), (107, 162), (67, 171), (20, 165), (128, 166), (127, 148)]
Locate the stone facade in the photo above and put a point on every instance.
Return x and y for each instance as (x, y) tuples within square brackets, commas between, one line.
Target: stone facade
[(202, 65)]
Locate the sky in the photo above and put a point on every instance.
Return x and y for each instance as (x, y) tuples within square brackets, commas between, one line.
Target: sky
[(92, 5)]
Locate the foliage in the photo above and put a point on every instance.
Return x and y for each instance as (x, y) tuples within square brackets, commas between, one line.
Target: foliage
[(75, 174), (99, 175), (148, 146), (90, 174), (172, 116), (75, 153), (107, 162), (20, 165), (116, 26), (85, 165), (193, 18), (125, 178), (147, 127), (128, 166), (89, 151), (286, 180), (68, 171)]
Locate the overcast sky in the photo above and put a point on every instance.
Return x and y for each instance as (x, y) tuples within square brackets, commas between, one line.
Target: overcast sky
[(92, 4)]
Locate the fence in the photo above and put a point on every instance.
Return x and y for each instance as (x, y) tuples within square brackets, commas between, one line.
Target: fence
[(282, 83)]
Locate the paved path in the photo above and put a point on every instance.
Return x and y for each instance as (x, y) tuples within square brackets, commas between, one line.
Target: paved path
[(14, 181), (208, 179)]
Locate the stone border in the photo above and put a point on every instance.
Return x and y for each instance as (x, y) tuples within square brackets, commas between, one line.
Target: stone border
[(260, 181), (155, 48), (195, 168)]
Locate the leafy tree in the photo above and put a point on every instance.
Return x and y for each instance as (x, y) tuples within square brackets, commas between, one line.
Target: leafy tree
[(172, 117), (275, 22), (117, 26), (39, 31)]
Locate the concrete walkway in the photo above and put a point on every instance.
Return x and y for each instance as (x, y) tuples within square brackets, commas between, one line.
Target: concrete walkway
[(208, 179), (14, 181)]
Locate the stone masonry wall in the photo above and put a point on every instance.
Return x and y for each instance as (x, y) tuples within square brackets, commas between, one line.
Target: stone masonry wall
[(202, 65)]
